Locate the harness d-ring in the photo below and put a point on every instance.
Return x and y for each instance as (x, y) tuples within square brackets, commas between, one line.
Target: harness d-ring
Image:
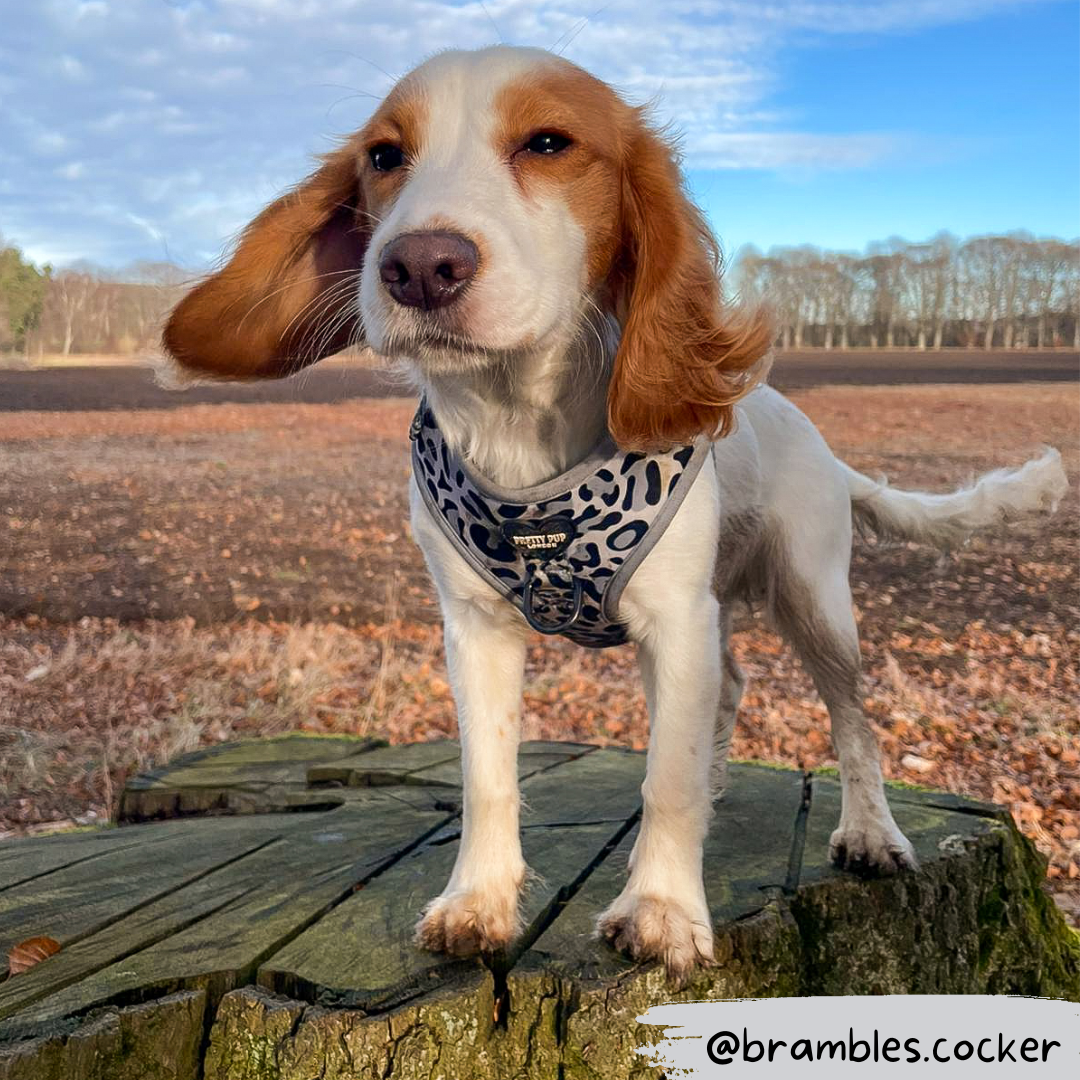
[(550, 628)]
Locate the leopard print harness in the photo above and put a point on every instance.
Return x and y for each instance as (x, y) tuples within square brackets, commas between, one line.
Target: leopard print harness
[(561, 551)]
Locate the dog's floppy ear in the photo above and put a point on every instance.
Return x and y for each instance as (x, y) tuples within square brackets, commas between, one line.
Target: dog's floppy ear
[(685, 357), (287, 296)]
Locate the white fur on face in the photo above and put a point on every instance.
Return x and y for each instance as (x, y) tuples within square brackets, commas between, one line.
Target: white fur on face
[(527, 293)]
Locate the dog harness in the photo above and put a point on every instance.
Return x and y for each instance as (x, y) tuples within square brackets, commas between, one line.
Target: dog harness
[(561, 551)]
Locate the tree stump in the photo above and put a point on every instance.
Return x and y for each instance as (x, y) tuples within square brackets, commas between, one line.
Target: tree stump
[(252, 918)]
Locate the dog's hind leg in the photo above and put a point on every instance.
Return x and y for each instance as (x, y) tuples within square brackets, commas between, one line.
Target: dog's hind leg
[(811, 602), (731, 692)]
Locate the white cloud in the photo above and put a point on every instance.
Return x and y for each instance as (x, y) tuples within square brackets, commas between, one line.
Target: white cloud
[(148, 227), (149, 57), (90, 8), (51, 142), (137, 93), (70, 68), (240, 93), (73, 170), (846, 16), (787, 150)]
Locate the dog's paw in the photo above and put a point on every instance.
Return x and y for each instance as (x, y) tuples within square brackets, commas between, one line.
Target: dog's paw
[(659, 928), (872, 850), (466, 922)]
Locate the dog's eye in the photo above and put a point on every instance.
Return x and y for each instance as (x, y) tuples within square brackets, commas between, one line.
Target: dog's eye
[(547, 142), (386, 157)]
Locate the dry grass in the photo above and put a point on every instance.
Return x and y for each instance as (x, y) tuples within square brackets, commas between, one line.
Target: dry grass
[(107, 700), (104, 699)]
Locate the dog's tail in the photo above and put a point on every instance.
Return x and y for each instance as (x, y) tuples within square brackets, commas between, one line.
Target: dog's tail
[(946, 520)]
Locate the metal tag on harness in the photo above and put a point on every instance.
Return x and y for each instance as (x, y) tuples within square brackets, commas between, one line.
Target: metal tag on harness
[(540, 540), (552, 586)]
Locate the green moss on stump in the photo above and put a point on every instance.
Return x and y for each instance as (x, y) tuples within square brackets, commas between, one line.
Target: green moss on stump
[(978, 922)]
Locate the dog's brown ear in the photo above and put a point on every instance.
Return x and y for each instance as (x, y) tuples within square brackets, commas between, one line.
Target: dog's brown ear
[(685, 356), (288, 295)]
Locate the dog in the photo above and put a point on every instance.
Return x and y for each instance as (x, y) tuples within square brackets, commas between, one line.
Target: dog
[(520, 237)]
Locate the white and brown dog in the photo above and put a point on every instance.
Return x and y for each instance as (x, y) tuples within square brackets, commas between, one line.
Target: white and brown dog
[(513, 229)]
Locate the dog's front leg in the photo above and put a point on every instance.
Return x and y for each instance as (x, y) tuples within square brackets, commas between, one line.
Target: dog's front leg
[(478, 909), (662, 913), (485, 654)]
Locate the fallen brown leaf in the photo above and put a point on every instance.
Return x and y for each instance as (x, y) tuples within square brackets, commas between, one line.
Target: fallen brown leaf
[(30, 952)]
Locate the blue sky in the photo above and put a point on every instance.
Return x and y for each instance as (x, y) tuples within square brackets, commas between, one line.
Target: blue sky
[(983, 118), (154, 129)]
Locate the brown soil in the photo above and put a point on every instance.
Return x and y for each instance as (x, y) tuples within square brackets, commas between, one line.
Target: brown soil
[(118, 387)]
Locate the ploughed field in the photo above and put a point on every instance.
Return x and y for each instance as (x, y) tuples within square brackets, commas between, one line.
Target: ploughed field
[(175, 573), (74, 388)]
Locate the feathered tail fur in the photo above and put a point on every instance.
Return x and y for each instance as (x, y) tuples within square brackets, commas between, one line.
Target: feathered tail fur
[(946, 520)]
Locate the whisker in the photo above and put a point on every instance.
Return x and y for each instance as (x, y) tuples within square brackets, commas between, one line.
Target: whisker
[(493, 22), (352, 90), (370, 216), (329, 330), (364, 60), (311, 341), (326, 297), (348, 97), (321, 336), (584, 22), (319, 304), (559, 39), (288, 285)]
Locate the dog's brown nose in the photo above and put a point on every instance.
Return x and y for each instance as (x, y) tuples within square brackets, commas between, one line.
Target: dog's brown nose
[(427, 269)]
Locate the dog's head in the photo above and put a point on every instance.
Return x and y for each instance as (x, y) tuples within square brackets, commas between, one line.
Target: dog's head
[(494, 199)]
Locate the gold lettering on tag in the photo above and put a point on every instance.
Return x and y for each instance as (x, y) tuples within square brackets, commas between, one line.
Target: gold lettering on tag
[(547, 540)]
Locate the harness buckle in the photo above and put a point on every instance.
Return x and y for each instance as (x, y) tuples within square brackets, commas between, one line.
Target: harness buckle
[(553, 627), (417, 424)]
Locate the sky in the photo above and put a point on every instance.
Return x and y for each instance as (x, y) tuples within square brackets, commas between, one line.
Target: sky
[(155, 129)]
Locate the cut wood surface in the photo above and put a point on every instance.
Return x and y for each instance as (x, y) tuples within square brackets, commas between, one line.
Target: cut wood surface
[(266, 931)]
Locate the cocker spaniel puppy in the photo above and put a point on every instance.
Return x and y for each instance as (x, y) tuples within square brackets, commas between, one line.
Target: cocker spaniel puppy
[(595, 453)]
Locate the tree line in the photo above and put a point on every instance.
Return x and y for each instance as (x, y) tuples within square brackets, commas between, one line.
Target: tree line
[(1011, 291), (83, 308)]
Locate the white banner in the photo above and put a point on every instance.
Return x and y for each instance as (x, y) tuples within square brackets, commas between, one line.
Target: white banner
[(952, 1037)]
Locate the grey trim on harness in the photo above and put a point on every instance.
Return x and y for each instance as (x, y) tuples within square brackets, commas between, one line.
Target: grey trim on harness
[(571, 543)]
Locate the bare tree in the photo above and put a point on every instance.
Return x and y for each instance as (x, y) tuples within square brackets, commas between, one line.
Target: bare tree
[(987, 290), (67, 300), (1050, 270)]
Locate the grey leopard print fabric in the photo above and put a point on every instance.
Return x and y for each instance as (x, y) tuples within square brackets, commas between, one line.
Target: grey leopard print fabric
[(561, 551)]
